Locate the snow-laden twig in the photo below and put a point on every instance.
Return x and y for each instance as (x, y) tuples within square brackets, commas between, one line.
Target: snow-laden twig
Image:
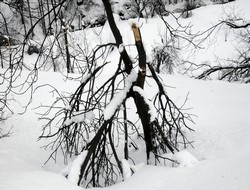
[(120, 97), (80, 117)]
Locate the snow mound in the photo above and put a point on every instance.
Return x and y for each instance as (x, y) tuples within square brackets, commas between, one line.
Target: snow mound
[(118, 99), (80, 117), (74, 172), (137, 167), (184, 159), (126, 169)]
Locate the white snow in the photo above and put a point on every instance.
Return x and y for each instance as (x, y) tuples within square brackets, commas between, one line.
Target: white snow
[(121, 48), (80, 117), (137, 167), (5, 36), (222, 126), (126, 169), (184, 159), (90, 116), (118, 98), (74, 172), (221, 144), (67, 107), (85, 78)]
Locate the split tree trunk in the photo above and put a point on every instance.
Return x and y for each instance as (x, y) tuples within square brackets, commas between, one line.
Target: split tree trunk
[(142, 107)]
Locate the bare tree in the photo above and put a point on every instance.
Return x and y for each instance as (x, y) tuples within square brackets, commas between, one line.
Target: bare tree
[(13, 50), (96, 116), (94, 120), (237, 68), (145, 8)]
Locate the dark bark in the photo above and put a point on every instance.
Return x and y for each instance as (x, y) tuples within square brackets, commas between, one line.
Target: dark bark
[(30, 15), (92, 147), (234, 26), (125, 132), (230, 70), (68, 64), (118, 37), (143, 112), (48, 8), (65, 34), (142, 107), (5, 23), (1, 58), (42, 16)]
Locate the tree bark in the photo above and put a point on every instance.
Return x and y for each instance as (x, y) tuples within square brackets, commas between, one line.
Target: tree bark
[(92, 146), (142, 107), (143, 112), (31, 22), (118, 37), (41, 10), (65, 30)]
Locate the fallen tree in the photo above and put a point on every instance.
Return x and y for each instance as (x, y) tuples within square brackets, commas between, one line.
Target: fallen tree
[(94, 121)]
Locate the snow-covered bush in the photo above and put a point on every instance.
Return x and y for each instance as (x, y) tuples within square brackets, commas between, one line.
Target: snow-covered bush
[(143, 8), (164, 58), (87, 14)]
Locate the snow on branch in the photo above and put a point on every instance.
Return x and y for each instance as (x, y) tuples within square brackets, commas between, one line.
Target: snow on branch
[(126, 169), (80, 117), (119, 98), (121, 48), (74, 172)]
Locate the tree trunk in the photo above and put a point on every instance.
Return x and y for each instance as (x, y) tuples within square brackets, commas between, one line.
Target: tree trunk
[(48, 9), (65, 30), (31, 22), (68, 64), (142, 107), (41, 10), (118, 36), (143, 112), (21, 11), (1, 58), (142, 56)]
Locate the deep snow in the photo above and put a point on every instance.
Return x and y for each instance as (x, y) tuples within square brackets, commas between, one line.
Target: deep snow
[(222, 126), (221, 145)]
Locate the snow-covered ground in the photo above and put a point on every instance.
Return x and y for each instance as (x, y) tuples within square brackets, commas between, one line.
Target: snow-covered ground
[(221, 144), (219, 159)]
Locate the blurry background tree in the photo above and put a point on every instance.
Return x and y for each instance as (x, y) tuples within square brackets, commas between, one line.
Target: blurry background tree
[(237, 67)]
